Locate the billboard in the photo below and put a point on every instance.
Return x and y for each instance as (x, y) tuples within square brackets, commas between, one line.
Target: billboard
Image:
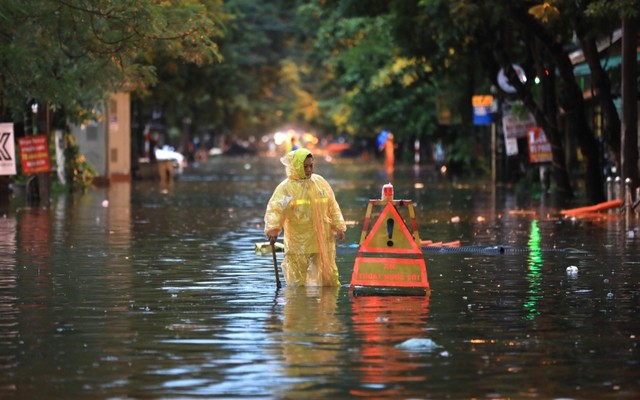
[(34, 154), (7, 150), (539, 146)]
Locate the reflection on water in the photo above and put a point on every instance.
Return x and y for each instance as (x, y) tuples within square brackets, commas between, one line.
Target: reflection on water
[(148, 291), (534, 275), (312, 340), (8, 300), (380, 324)]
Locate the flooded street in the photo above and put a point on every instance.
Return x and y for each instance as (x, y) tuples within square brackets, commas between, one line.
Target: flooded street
[(142, 291)]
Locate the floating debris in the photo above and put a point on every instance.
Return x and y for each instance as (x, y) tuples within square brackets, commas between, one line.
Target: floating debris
[(419, 344), (265, 247)]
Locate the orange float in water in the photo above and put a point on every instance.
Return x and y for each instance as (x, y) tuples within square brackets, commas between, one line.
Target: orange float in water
[(594, 208), (431, 243)]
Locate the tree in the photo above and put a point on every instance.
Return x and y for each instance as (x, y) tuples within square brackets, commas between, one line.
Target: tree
[(494, 35), (626, 11), (368, 85), (260, 84), (68, 54)]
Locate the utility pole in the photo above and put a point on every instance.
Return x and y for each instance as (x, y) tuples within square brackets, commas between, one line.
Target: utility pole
[(629, 128)]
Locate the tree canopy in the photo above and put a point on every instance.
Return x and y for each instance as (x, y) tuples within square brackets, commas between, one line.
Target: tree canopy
[(348, 67), (69, 53), (462, 45)]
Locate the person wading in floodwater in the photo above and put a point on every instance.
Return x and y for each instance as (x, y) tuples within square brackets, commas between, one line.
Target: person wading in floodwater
[(305, 206)]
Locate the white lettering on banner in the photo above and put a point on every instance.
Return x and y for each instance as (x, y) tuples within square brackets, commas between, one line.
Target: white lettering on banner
[(34, 148), (539, 146), (7, 150)]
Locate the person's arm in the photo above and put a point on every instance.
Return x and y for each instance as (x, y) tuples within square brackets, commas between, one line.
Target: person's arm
[(274, 216), (337, 220)]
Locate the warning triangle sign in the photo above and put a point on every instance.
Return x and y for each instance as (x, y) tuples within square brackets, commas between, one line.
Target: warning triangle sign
[(390, 234), (389, 256)]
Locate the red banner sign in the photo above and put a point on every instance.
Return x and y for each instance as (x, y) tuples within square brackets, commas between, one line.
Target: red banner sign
[(539, 147), (34, 154)]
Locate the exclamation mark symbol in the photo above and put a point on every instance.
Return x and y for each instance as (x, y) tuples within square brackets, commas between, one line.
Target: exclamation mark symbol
[(390, 223)]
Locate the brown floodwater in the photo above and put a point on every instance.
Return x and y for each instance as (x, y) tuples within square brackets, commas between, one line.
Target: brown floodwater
[(139, 291)]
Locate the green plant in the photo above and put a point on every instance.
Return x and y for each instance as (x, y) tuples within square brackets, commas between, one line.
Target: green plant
[(78, 171)]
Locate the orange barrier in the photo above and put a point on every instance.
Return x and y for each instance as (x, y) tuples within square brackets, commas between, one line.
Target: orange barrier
[(594, 208), (522, 212), (431, 243), (389, 254), (600, 216)]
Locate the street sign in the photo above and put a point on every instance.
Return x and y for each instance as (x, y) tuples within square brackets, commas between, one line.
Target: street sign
[(516, 126), (505, 83), (389, 255), (34, 154), (539, 146), (511, 146), (482, 105), (7, 150)]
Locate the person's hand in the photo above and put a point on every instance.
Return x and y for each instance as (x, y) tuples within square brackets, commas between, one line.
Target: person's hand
[(273, 236), (340, 235)]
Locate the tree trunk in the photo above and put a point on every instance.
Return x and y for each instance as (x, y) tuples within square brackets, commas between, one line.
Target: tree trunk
[(574, 106), (573, 103), (44, 185), (545, 116), (42, 181), (602, 88), (5, 193), (550, 111)]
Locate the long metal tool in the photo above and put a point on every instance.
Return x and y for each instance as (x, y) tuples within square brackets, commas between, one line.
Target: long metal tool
[(275, 265)]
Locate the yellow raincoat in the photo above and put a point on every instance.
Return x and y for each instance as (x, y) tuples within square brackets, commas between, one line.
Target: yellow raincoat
[(307, 210)]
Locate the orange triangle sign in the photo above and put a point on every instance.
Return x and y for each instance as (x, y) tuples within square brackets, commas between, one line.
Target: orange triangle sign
[(390, 235), (389, 256)]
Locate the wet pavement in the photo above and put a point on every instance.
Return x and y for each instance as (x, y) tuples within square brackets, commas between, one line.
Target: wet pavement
[(144, 291)]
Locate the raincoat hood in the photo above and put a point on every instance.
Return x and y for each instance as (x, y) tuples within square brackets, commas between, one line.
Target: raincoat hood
[(294, 162)]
